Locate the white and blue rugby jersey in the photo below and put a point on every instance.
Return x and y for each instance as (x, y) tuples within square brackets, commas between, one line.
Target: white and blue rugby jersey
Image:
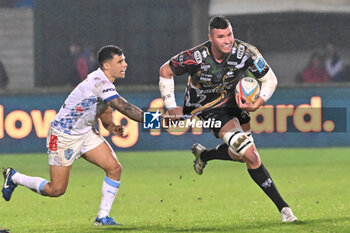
[(80, 110)]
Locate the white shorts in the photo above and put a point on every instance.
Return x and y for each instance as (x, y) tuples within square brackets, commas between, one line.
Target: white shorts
[(63, 149)]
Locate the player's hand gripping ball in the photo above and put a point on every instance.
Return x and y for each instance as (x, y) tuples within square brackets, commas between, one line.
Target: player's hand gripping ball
[(249, 88)]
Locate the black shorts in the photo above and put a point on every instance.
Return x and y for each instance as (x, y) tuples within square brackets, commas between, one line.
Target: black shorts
[(225, 113)]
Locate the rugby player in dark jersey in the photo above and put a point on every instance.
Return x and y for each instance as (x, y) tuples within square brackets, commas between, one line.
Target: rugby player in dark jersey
[(214, 69)]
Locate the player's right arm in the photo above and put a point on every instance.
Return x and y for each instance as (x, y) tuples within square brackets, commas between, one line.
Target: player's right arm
[(182, 63), (167, 90), (106, 91), (129, 110)]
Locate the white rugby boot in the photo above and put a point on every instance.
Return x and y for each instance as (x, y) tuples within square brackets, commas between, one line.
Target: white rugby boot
[(287, 215), (198, 163)]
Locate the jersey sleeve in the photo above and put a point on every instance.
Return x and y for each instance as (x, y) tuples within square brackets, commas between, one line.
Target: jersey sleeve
[(257, 64), (185, 62), (105, 91)]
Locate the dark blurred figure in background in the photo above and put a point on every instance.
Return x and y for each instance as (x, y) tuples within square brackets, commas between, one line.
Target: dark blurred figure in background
[(90, 51), (315, 72), (4, 80), (80, 68), (334, 64), (83, 60)]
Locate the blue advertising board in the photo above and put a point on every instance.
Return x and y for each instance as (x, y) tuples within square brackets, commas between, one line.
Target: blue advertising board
[(295, 117)]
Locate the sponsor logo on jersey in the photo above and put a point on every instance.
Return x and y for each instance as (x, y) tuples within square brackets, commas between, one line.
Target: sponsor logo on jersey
[(205, 79), (151, 120), (181, 59), (198, 57), (234, 49), (108, 89), (240, 51), (68, 153), (260, 63), (229, 74), (232, 63), (204, 54), (205, 67)]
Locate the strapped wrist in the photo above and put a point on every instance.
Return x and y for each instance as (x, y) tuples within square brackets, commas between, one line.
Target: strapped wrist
[(167, 88)]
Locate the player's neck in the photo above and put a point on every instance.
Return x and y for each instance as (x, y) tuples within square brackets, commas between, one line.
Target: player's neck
[(109, 77), (218, 56)]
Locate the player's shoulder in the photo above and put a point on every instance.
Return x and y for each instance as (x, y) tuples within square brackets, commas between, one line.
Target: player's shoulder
[(192, 56), (249, 49), (199, 51), (96, 79), (239, 42), (203, 47)]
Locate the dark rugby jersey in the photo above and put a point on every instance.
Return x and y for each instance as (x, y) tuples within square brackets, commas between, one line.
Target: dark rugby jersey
[(209, 82)]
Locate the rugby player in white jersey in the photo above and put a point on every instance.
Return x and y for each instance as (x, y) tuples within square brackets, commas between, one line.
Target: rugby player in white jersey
[(72, 135)]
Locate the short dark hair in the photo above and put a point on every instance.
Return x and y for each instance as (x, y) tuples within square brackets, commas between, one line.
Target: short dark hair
[(107, 52), (218, 22)]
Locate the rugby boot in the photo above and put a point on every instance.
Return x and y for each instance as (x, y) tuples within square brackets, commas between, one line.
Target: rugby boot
[(287, 215), (198, 163), (9, 186), (105, 221)]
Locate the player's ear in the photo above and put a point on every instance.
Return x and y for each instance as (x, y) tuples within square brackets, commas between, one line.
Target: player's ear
[(105, 66), (209, 36)]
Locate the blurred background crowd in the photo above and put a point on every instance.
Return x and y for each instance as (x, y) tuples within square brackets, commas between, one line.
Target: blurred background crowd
[(47, 44)]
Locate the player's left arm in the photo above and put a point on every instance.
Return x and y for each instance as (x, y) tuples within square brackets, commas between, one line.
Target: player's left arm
[(106, 118), (268, 87), (263, 72)]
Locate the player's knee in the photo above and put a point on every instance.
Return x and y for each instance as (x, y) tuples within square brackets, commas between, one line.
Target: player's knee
[(57, 191), (238, 141), (115, 169), (234, 156), (252, 158)]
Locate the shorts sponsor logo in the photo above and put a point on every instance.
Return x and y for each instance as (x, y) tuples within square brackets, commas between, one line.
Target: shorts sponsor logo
[(151, 120), (53, 143), (68, 153)]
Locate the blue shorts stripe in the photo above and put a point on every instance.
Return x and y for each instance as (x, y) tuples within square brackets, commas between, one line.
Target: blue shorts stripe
[(111, 97), (112, 183)]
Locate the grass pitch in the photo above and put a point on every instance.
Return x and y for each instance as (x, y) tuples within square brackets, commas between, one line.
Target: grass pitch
[(161, 193)]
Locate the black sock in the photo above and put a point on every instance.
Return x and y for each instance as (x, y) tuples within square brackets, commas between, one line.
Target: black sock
[(220, 152), (262, 178)]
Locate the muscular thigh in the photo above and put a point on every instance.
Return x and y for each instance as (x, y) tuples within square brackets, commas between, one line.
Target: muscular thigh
[(102, 156)]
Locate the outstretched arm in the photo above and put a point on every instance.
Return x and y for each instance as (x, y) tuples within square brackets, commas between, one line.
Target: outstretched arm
[(127, 109)]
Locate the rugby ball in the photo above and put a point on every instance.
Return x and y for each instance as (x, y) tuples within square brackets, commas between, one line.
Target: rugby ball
[(249, 88)]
